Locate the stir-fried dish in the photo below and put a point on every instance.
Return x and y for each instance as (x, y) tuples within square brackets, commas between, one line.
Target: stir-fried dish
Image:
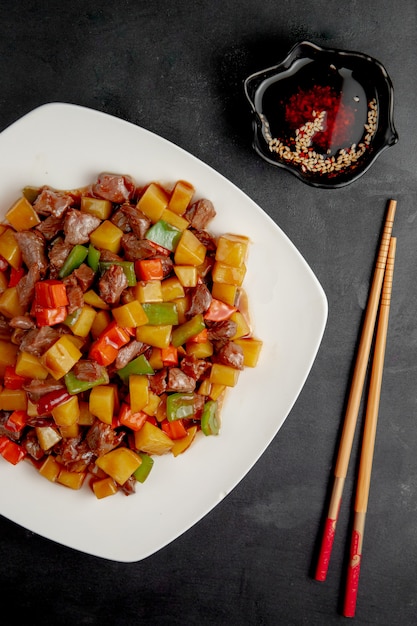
[(123, 321)]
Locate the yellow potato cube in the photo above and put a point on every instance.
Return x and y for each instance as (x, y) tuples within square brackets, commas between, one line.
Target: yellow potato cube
[(8, 355), (67, 432), (232, 250), (86, 418), (171, 289), (73, 480), (9, 248), (101, 321), (153, 202), (152, 440), (22, 215), (29, 366), (155, 335), (82, 325), (251, 350), (189, 251), (61, 357), (181, 197), (223, 375), (3, 281), (13, 400), (225, 293), (216, 390), (130, 315), (175, 220), (182, 305), (104, 487), (223, 273), (9, 303), (243, 327), (93, 299), (201, 349), (148, 291), (187, 275), (204, 388), (47, 436), (153, 403), (50, 468), (185, 442), (139, 392), (102, 402), (155, 360), (97, 207), (119, 464), (67, 413), (107, 236)]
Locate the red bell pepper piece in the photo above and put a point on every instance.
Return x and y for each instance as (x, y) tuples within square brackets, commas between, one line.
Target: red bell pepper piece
[(51, 400), (133, 420), (11, 451), (169, 356), (51, 294), (15, 276), (149, 269), (174, 430), (49, 317), (106, 347), (16, 421), (11, 379), (219, 311), (201, 337)]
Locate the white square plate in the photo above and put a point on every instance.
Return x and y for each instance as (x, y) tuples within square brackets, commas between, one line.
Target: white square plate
[(67, 146)]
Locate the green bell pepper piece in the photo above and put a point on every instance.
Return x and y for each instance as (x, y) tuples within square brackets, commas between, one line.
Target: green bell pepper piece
[(140, 365), (189, 329), (73, 260), (210, 424), (161, 313), (180, 405), (142, 473), (165, 235), (93, 257), (128, 268), (75, 385)]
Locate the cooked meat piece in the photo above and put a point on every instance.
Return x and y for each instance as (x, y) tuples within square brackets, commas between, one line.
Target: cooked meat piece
[(129, 352), (75, 294), (32, 246), (112, 283), (78, 226), (179, 381), (75, 454), (114, 187), (25, 288), (135, 248), (58, 253), (200, 213), (51, 202), (158, 382), (85, 276), (50, 227), (221, 331), (137, 220), (199, 401), (194, 367), (4, 416), (167, 265), (119, 219), (231, 354), (129, 487), (38, 340), (37, 388), (31, 444), (101, 438), (200, 298), (206, 239), (86, 369), (23, 322), (107, 255)]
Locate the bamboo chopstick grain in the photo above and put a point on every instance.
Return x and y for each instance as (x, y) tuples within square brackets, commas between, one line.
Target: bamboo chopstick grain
[(369, 435), (356, 389)]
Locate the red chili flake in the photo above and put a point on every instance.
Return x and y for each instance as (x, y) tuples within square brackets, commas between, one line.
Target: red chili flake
[(338, 121)]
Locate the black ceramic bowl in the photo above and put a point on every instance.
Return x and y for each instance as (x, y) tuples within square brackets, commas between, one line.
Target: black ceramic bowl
[(325, 115)]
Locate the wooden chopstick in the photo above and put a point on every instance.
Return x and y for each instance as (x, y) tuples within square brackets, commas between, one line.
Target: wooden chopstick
[(368, 443), (358, 379)]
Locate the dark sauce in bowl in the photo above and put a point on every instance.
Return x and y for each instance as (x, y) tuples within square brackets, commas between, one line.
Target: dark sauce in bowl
[(323, 114)]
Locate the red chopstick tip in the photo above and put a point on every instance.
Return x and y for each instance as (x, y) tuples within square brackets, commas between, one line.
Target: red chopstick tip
[(352, 585), (326, 549)]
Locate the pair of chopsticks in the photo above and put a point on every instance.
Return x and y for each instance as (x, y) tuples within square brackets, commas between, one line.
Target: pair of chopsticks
[(379, 299)]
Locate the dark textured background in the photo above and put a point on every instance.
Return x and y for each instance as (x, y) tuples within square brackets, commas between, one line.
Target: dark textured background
[(176, 68)]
